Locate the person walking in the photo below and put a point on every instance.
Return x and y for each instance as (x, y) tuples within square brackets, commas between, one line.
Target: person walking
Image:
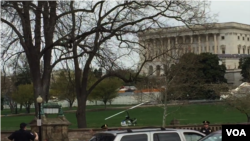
[(22, 134), (206, 129)]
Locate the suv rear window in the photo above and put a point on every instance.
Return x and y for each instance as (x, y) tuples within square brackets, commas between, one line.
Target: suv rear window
[(138, 137), (102, 137), (192, 136), (167, 137)]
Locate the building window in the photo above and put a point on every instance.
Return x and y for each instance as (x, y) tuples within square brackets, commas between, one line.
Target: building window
[(152, 51), (238, 37), (248, 51), (238, 50), (243, 38), (158, 70), (150, 70), (222, 37), (243, 50), (223, 50), (247, 39)]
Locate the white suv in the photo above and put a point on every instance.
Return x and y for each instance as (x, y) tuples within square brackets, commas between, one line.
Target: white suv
[(152, 134)]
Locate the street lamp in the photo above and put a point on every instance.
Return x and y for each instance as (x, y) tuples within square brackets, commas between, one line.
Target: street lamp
[(39, 100)]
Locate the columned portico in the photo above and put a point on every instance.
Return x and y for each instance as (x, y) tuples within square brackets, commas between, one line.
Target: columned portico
[(215, 45), (207, 46), (223, 38)]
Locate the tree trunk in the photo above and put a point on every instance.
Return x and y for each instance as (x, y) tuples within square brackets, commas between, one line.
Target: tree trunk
[(37, 91), (41, 86), (12, 107), (165, 110), (28, 109), (81, 111), (71, 104), (248, 118), (16, 108), (21, 107)]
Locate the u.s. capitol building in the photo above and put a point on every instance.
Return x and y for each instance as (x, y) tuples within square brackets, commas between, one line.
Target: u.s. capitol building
[(230, 41)]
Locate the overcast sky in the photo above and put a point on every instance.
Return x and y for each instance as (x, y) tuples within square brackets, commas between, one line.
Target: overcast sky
[(231, 10)]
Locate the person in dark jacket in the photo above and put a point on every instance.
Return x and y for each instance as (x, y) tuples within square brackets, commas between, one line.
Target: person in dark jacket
[(22, 134), (206, 129)]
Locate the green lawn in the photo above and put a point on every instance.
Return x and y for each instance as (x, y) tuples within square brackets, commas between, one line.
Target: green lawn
[(7, 111), (149, 116)]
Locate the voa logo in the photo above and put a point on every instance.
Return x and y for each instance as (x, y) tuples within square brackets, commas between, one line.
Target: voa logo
[(236, 132)]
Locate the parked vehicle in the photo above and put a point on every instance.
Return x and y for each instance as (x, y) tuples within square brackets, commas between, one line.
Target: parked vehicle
[(152, 134), (214, 136), (127, 89)]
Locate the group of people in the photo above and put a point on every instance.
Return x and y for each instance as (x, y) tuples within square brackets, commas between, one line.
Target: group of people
[(23, 135)]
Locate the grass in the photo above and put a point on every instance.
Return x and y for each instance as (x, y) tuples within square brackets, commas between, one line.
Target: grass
[(146, 116), (32, 110)]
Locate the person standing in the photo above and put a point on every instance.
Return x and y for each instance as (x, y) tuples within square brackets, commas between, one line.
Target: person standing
[(206, 129), (22, 134)]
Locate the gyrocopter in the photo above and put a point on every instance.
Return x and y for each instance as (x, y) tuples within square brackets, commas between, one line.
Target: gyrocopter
[(128, 121)]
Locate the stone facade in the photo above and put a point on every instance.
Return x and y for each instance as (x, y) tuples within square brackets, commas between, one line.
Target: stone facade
[(230, 41), (53, 129)]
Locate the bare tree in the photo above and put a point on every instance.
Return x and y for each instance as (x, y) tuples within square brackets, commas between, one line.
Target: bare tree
[(175, 83), (239, 98), (98, 33), (115, 36), (180, 82)]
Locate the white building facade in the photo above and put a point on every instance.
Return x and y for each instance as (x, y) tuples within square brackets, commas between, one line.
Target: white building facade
[(230, 41)]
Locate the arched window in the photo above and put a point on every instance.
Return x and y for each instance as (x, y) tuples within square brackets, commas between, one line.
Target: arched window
[(158, 70), (150, 70), (223, 49), (239, 47), (244, 48)]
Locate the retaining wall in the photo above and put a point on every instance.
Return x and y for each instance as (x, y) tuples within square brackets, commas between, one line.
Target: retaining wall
[(86, 133)]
